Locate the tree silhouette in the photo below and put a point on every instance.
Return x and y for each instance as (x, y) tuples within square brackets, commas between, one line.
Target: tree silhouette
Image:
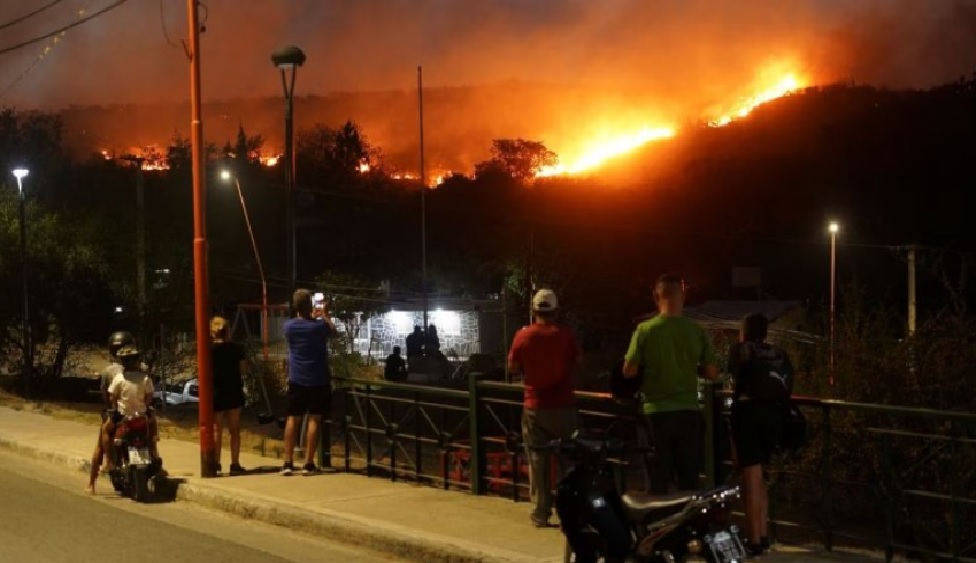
[(519, 158)]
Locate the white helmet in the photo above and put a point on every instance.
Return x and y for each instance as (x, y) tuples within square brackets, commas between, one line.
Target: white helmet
[(545, 300)]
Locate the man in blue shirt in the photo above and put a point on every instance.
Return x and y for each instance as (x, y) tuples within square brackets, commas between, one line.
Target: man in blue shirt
[(309, 379)]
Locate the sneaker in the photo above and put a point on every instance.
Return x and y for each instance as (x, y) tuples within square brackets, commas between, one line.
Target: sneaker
[(236, 469), (538, 521), (288, 468), (310, 469), (218, 470)]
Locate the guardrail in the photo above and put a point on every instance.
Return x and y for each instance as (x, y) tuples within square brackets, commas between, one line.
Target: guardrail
[(872, 475)]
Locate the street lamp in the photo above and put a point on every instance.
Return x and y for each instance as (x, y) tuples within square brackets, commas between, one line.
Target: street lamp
[(287, 60), (833, 228), (28, 356), (226, 176)]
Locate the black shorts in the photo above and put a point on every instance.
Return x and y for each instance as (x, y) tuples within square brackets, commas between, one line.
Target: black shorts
[(228, 399), (757, 430), (301, 400)]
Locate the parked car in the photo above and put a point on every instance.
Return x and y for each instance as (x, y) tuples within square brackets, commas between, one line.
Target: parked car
[(185, 393)]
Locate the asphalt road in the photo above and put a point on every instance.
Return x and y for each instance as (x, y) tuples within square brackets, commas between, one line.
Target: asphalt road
[(45, 517)]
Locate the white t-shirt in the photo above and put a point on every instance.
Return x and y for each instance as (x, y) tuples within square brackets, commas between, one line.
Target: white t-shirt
[(130, 389), (108, 374)]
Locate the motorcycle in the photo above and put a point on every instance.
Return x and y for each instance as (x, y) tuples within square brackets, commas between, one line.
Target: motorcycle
[(601, 525), (134, 467)]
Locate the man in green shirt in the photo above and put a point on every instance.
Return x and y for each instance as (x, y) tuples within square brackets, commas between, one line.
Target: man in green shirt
[(671, 352)]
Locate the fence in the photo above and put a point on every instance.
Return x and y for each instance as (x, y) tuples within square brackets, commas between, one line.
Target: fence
[(871, 475)]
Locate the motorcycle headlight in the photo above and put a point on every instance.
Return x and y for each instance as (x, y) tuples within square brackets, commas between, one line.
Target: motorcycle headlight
[(694, 547)]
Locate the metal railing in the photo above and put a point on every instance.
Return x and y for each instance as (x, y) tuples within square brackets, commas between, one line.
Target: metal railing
[(871, 475)]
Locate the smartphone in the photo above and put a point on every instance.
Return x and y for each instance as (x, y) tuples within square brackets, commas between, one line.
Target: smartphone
[(318, 300)]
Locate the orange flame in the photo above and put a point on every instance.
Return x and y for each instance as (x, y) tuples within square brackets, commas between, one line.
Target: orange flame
[(786, 85), (599, 152)]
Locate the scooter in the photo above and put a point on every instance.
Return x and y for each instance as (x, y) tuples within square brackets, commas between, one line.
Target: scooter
[(134, 466), (601, 525)]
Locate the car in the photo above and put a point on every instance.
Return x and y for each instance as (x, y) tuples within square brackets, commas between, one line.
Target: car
[(184, 393)]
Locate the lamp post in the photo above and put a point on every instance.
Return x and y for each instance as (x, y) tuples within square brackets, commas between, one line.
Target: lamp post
[(287, 60), (226, 176), (28, 356), (833, 227)]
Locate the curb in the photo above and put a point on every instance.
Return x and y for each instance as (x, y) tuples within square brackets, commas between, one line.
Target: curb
[(377, 536)]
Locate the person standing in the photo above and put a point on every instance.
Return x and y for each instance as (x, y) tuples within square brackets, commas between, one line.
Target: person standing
[(763, 377), (309, 378), (229, 364), (672, 352), (415, 348), (546, 354)]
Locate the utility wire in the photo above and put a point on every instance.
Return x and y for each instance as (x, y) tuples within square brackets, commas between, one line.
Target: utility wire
[(16, 21), (54, 42), (62, 29), (162, 23)]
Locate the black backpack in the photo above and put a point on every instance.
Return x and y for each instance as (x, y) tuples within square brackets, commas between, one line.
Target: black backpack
[(764, 372)]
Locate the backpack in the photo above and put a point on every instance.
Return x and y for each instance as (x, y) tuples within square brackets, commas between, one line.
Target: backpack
[(764, 372), (625, 389)]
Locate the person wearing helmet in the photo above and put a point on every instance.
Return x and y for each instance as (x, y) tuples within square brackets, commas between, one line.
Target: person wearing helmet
[(131, 392), (116, 341), (546, 353)]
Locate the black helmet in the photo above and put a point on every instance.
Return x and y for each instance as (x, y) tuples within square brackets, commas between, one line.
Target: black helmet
[(119, 339)]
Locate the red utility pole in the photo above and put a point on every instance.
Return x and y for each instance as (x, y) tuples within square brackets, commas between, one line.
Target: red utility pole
[(201, 291)]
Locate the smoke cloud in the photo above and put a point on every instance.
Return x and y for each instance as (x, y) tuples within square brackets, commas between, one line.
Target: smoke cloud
[(647, 60)]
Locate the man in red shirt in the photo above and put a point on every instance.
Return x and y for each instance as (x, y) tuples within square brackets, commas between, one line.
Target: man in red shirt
[(546, 354)]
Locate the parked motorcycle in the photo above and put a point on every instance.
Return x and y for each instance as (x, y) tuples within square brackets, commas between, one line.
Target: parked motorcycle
[(134, 467), (601, 525)]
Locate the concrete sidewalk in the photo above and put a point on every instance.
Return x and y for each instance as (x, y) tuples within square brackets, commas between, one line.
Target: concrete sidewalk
[(409, 521)]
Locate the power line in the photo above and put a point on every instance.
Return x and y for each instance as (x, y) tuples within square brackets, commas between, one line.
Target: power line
[(30, 15), (162, 23), (54, 42), (62, 29)]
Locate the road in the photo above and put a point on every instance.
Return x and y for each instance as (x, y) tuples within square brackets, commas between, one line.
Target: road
[(47, 518)]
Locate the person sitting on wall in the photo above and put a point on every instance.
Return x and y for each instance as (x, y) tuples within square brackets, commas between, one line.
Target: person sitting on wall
[(396, 366)]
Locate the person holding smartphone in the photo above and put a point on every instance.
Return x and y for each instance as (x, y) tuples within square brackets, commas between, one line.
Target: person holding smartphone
[(309, 378)]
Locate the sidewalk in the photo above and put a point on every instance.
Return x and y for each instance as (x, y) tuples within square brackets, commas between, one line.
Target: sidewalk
[(409, 521)]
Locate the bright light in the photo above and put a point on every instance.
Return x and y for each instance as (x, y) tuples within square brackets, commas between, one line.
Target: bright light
[(20, 173), (225, 175), (118, 309), (768, 91), (402, 322), (448, 323), (833, 227)]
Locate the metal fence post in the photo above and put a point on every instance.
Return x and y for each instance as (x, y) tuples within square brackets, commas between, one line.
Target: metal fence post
[(710, 441), (825, 485), (889, 486), (476, 463), (954, 539)]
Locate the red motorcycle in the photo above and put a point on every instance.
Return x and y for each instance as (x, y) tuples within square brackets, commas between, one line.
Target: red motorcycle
[(135, 469)]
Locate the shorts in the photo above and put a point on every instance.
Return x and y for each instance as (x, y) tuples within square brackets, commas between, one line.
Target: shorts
[(757, 430), (301, 400), (228, 400)]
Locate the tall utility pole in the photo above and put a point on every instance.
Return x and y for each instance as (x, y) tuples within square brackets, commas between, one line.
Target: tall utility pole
[(834, 227), (201, 290), (140, 241), (423, 194), (911, 290), (28, 350)]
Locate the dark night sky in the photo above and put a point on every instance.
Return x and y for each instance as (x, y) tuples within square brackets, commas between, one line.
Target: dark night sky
[(667, 48)]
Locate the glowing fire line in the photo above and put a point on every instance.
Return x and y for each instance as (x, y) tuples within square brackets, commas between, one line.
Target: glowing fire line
[(598, 153)]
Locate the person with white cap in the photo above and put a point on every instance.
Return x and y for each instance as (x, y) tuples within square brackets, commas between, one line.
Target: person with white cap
[(546, 353)]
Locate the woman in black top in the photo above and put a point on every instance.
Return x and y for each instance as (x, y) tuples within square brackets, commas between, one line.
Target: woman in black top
[(229, 363)]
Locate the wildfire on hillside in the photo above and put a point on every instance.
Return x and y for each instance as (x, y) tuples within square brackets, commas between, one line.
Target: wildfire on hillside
[(614, 144)]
